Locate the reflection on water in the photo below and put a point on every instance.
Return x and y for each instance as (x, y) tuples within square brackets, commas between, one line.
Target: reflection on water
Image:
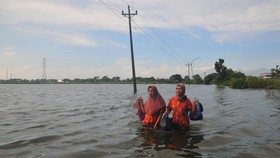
[(81, 121), (158, 140)]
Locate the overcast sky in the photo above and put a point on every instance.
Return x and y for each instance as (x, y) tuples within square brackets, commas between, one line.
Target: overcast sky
[(87, 38)]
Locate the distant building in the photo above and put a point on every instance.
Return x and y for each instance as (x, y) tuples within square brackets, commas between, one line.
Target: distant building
[(60, 81), (266, 75)]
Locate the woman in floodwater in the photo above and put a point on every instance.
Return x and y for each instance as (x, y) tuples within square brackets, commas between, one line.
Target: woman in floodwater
[(181, 105), (153, 108)]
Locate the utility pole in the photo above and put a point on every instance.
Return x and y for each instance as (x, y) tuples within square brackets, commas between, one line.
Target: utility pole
[(44, 76), (130, 15), (7, 74), (189, 72), (192, 67)]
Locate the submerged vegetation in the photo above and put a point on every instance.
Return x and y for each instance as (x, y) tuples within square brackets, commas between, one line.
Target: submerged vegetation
[(238, 80)]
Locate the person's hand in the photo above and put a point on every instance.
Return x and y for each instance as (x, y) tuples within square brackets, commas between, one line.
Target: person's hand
[(139, 100), (184, 112)]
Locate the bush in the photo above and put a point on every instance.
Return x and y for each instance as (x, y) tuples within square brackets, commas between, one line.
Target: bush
[(239, 83), (255, 82)]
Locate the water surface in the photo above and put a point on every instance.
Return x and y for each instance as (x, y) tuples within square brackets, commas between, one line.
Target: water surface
[(79, 121)]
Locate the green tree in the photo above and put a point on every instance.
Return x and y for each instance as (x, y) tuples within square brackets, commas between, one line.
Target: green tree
[(116, 79), (96, 78), (177, 78), (275, 73), (197, 79), (210, 79), (221, 70), (105, 79), (187, 80)]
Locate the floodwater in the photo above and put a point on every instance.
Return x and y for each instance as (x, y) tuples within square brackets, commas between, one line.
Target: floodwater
[(89, 121)]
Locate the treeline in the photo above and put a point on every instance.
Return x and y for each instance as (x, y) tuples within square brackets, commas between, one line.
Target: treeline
[(223, 76), (98, 80), (238, 80)]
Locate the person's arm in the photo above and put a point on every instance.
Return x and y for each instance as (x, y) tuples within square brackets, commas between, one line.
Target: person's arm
[(168, 108), (141, 104), (193, 106), (159, 117)]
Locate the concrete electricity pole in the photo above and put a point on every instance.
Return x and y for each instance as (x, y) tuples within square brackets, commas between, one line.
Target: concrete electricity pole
[(130, 15), (44, 76)]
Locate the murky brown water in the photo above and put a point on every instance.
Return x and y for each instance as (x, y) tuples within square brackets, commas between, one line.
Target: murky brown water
[(79, 121)]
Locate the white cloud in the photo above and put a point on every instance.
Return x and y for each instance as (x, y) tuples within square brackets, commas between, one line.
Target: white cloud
[(8, 51), (227, 19), (75, 23), (67, 38)]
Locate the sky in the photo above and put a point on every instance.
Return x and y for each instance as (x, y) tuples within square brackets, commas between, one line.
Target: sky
[(88, 38)]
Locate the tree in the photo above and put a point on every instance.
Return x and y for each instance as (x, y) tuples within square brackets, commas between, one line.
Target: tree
[(105, 79), (210, 79), (116, 79), (197, 79), (176, 78), (187, 80), (96, 78), (221, 70), (275, 73)]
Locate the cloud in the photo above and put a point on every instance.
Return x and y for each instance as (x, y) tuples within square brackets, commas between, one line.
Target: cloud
[(67, 38), (60, 21), (227, 20), (8, 51), (75, 40), (59, 14)]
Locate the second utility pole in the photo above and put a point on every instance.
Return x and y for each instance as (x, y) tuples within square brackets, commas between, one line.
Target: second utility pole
[(130, 15)]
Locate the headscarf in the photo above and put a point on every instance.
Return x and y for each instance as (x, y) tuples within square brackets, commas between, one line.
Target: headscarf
[(154, 103), (182, 95)]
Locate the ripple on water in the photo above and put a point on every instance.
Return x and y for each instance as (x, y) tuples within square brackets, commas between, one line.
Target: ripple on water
[(34, 141)]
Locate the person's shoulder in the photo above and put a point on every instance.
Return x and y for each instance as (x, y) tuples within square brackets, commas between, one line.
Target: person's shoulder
[(172, 99), (188, 99)]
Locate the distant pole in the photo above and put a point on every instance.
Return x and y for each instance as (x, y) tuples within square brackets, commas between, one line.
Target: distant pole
[(130, 15), (44, 76), (192, 67), (7, 74), (188, 72)]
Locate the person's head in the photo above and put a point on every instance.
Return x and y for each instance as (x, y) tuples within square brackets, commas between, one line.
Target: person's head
[(152, 90), (180, 90)]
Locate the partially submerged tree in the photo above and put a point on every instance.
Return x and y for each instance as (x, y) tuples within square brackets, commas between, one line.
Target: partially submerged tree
[(275, 73), (221, 70)]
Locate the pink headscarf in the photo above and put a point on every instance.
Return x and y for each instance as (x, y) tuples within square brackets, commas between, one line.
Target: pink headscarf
[(155, 103)]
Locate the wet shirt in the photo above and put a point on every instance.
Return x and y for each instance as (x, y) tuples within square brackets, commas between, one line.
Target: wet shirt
[(151, 119), (180, 111)]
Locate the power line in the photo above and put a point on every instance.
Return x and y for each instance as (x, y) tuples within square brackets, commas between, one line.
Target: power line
[(112, 9), (174, 54), (145, 34), (154, 42)]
